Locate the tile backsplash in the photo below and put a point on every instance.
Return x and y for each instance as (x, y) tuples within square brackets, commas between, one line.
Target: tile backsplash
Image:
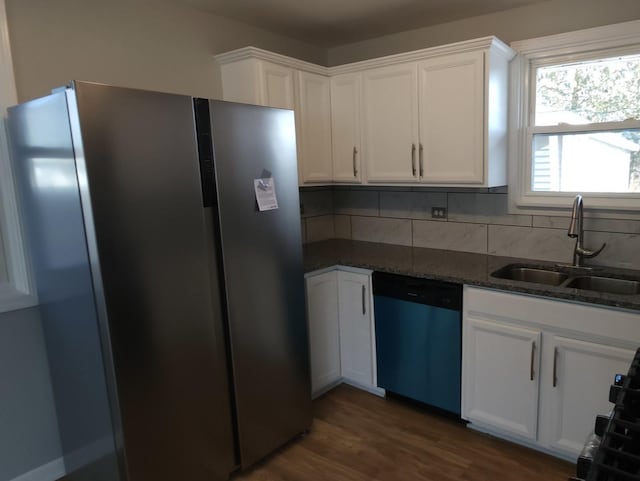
[(475, 222)]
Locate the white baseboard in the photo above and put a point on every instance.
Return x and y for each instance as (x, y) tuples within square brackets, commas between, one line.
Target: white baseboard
[(56, 469), (378, 391), (47, 472), (326, 389), (513, 439), (90, 453)]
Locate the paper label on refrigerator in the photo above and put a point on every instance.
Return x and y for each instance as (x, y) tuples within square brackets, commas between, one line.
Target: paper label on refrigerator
[(265, 194)]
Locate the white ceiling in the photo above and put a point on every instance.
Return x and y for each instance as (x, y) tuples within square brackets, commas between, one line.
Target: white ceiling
[(328, 23)]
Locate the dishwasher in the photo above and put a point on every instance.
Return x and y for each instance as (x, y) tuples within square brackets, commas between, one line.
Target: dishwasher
[(418, 326)]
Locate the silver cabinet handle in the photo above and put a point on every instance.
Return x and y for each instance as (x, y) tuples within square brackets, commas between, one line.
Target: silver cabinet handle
[(355, 168), (533, 350), (555, 366), (421, 156), (364, 305), (413, 159)]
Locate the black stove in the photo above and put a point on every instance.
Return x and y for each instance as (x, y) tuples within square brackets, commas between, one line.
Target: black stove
[(612, 453)]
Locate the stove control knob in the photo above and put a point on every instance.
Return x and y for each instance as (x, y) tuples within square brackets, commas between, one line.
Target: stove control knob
[(614, 392), (601, 424)]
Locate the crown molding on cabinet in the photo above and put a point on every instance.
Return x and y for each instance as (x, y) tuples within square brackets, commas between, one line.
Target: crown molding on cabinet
[(452, 48), (258, 53), (495, 43)]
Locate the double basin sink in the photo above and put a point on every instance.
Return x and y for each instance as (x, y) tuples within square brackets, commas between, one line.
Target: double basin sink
[(569, 277)]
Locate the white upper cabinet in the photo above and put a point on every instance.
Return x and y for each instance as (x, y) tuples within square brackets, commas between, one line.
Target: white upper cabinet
[(390, 123), (277, 86), (346, 92), (436, 116), (254, 81), (451, 96), (313, 118), (255, 76)]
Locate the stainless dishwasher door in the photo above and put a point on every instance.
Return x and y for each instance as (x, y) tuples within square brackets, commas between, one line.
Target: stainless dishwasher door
[(418, 339)]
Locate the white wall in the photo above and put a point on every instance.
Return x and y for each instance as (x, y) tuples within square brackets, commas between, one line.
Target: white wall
[(546, 18), (132, 43), (28, 427)]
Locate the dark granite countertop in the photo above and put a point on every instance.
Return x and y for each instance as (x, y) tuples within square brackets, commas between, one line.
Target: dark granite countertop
[(454, 266)]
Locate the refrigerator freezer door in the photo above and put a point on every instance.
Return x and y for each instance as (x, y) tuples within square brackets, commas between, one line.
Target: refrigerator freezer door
[(45, 173), (264, 275), (150, 244)]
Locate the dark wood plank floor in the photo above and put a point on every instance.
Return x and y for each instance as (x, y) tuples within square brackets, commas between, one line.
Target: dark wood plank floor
[(357, 436)]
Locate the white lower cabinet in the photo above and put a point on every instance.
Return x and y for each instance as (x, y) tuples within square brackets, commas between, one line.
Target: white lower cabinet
[(356, 339), (324, 330), (502, 376), (571, 394), (341, 331), (538, 370)]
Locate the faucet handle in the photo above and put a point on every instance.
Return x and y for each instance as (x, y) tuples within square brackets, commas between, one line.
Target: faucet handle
[(590, 254)]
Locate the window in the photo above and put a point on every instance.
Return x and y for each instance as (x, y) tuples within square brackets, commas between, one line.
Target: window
[(575, 118), (16, 290)]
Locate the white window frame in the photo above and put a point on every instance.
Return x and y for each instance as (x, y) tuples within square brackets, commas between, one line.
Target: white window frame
[(16, 292), (608, 41)]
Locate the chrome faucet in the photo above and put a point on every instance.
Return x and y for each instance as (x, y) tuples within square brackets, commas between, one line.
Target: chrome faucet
[(576, 230)]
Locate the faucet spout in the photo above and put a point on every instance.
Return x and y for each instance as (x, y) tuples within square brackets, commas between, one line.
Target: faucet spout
[(575, 225), (576, 231)]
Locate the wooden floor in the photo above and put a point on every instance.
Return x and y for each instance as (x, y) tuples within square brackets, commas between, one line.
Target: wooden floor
[(357, 436)]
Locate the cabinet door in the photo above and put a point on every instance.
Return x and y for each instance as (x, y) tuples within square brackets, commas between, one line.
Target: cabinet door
[(356, 339), (500, 365), (390, 123), (276, 86), (451, 96), (313, 117), (575, 388), (324, 330), (345, 127), (241, 81)]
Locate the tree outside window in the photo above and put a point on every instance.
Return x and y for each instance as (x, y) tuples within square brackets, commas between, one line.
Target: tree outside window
[(599, 95)]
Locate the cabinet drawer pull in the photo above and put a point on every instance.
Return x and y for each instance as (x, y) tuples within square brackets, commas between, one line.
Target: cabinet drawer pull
[(364, 305), (555, 366), (413, 159), (533, 350), (355, 168), (420, 160)]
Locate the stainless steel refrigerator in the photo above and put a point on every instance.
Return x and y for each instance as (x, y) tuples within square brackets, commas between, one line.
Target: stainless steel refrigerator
[(172, 305)]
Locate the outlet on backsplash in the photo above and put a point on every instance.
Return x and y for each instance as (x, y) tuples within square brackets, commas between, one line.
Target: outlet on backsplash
[(438, 212)]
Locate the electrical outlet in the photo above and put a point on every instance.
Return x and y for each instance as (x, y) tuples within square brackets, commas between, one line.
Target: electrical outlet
[(438, 212)]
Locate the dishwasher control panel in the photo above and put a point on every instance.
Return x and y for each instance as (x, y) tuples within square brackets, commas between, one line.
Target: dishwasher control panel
[(415, 289)]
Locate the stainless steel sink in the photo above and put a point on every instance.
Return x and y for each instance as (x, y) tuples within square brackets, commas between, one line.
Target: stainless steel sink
[(531, 274), (609, 285), (569, 277)]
